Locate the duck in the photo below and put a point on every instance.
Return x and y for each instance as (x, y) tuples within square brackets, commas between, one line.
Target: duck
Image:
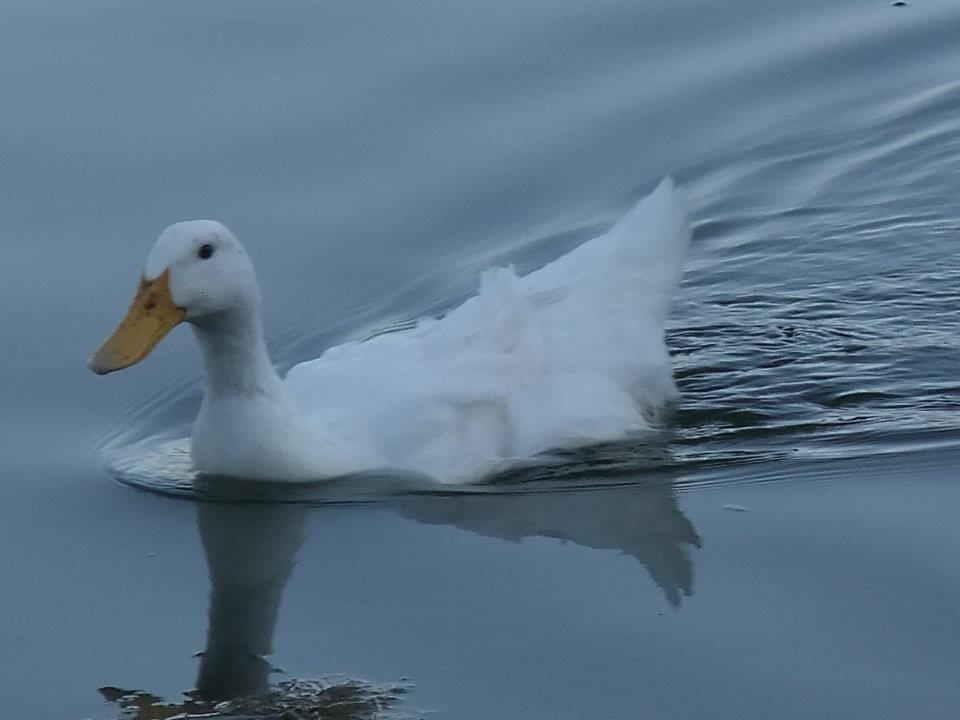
[(571, 354)]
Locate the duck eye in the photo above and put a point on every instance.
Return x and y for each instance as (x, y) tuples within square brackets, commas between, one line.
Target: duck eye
[(205, 251)]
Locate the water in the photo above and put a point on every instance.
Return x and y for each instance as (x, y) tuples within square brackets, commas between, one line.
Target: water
[(373, 159)]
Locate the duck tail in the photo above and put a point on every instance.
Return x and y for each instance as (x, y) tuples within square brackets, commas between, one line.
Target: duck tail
[(649, 245)]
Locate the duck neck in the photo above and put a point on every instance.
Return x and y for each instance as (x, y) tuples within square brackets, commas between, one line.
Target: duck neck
[(235, 358)]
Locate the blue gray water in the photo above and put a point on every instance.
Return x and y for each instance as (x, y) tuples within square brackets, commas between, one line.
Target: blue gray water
[(374, 157)]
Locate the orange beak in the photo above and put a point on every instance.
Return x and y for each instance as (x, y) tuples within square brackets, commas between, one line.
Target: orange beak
[(151, 316)]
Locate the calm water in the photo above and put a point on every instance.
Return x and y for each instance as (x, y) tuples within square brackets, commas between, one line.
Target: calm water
[(373, 157)]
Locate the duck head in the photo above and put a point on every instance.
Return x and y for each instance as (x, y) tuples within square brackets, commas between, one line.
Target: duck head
[(196, 272)]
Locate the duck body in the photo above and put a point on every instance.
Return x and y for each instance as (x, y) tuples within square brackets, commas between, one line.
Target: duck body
[(570, 354)]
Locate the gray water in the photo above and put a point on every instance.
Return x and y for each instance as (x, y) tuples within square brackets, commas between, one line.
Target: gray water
[(374, 157)]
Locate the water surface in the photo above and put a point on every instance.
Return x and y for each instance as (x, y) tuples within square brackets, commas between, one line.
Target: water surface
[(373, 158)]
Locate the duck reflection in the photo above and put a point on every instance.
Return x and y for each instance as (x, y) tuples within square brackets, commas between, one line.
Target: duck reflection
[(251, 548), (643, 521), (250, 551)]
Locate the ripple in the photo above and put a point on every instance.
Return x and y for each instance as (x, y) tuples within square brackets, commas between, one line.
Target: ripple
[(819, 316)]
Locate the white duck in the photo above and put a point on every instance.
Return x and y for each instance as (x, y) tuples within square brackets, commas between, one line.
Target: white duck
[(570, 354)]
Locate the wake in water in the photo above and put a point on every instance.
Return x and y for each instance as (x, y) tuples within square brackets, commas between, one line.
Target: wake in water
[(817, 320), (820, 315)]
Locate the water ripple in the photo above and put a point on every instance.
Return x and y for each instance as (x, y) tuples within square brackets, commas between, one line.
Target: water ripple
[(818, 318)]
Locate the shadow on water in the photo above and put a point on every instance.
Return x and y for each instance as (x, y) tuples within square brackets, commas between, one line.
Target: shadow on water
[(251, 548)]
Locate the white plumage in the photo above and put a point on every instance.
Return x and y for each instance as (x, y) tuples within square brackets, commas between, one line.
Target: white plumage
[(570, 354)]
